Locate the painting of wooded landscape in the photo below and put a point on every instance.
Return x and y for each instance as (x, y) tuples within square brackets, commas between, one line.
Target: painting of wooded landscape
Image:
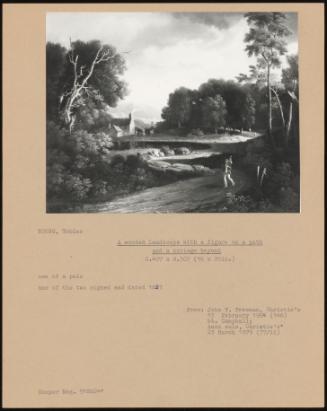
[(154, 112)]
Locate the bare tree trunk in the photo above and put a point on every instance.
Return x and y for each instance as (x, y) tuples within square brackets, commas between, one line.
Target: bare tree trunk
[(269, 108), (68, 108), (280, 106), (289, 123), (80, 82)]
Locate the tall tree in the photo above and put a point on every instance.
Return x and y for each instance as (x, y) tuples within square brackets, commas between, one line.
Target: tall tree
[(178, 111), (284, 92), (248, 112), (93, 72), (290, 80), (234, 95), (266, 40), (214, 112), (257, 77), (87, 71)]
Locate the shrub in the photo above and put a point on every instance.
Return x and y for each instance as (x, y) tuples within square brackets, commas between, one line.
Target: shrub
[(238, 203), (134, 161), (279, 177), (100, 188), (81, 162), (56, 136), (57, 156), (289, 199), (117, 159), (283, 175), (55, 179), (77, 187), (80, 141), (62, 183), (266, 206)]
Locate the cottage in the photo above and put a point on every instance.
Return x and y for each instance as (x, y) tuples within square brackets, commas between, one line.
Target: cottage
[(139, 131), (119, 127), (129, 126), (116, 131)]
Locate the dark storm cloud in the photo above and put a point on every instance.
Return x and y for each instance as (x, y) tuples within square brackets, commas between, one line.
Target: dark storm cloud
[(221, 21), (184, 26), (176, 27), (174, 31)]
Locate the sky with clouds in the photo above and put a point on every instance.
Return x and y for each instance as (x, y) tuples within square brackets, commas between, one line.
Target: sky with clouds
[(166, 50)]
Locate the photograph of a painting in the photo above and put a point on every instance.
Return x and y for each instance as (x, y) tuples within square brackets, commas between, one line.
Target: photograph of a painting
[(157, 112)]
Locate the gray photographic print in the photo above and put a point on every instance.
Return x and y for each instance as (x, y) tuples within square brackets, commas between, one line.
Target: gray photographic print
[(157, 112)]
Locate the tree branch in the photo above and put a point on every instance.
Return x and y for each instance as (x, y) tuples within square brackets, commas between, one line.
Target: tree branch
[(80, 83)]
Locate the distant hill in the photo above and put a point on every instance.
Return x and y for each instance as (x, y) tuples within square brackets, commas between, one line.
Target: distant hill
[(141, 124), (143, 112)]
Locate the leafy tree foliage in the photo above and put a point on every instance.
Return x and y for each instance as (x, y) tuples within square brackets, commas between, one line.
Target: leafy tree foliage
[(290, 75), (91, 73), (266, 40), (55, 66), (284, 93), (214, 112), (106, 77), (186, 107), (178, 111), (290, 81), (248, 112), (99, 65)]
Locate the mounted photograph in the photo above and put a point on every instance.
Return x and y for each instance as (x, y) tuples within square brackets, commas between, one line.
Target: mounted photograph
[(159, 112)]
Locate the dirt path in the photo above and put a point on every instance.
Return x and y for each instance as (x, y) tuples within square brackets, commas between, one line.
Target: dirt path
[(183, 196)]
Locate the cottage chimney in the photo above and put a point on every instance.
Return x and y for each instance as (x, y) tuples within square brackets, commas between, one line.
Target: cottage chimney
[(131, 123)]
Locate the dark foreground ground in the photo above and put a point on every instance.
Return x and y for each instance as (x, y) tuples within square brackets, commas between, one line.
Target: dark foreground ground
[(200, 194)]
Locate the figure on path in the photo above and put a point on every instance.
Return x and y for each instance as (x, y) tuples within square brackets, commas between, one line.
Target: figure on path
[(228, 172)]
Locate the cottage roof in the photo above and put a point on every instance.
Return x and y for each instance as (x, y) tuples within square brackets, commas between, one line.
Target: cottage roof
[(124, 123), (121, 122)]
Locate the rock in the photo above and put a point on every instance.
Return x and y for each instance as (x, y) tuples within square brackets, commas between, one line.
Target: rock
[(154, 152), (181, 168), (198, 167), (185, 167), (167, 151), (182, 150), (158, 165), (202, 170), (147, 156)]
